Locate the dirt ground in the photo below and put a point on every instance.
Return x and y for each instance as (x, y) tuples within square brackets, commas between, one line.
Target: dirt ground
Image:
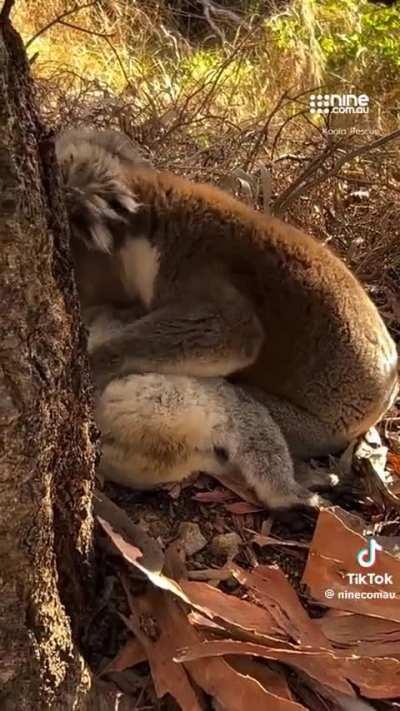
[(205, 531)]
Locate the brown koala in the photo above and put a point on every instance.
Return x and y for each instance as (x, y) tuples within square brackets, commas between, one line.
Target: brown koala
[(229, 292)]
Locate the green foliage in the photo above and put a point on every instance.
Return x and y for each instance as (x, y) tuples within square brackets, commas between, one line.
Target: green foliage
[(352, 36), (140, 52), (206, 64)]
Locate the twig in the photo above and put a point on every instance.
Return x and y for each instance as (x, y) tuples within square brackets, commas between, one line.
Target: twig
[(221, 11), (266, 185), (291, 156), (211, 8), (33, 58), (301, 184), (56, 20), (282, 127), (213, 25), (263, 133), (223, 66), (84, 29), (300, 181), (6, 9), (213, 82)]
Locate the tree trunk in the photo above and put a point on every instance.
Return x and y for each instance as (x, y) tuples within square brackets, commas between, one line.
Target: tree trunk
[(46, 431)]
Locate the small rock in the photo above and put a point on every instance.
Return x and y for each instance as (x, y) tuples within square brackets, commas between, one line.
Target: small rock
[(191, 538), (226, 545)]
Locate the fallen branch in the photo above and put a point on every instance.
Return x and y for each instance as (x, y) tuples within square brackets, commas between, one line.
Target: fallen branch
[(301, 185)]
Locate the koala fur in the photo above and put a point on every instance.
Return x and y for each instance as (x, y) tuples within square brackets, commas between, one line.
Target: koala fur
[(229, 292), (161, 428), (182, 425), (178, 424), (96, 195)]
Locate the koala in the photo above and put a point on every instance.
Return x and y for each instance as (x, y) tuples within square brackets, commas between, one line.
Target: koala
[(229, 293), (183, 424), (177, 425)]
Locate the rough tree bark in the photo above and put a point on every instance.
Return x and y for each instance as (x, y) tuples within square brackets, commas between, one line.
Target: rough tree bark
[(46, 431)]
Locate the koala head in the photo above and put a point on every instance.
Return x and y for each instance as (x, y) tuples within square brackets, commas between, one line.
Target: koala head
[(94, 167)]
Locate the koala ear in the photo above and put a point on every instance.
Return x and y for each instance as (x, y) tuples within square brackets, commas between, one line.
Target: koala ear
[(97, 195), (94, 217)]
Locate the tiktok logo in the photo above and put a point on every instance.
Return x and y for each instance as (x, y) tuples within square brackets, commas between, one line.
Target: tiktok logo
[(367, 556)]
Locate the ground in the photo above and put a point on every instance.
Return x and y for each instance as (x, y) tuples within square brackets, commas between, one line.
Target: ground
[(211, 539)]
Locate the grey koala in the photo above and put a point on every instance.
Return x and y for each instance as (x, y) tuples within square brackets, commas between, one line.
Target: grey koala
[(160, 428)]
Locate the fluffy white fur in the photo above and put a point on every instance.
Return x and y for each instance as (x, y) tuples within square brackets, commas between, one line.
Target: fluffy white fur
[(93, 166)]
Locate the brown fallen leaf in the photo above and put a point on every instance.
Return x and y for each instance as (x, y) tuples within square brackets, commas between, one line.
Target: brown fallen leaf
[(311, 698), (362, 635), (234, 612), (175, 561), (211, 574), (376, 678), (336, 613), (129, 655), (271, 679), (325, 699), (242, 507), (151, 555), (262, 541), (168, 677), (332, 562), (320, 665), (231, 689), (133, 555), (235, 482), (202, 622), (372, 459), (216, 496), (279, 612), (271, 589), (394, 462), (204, 596)]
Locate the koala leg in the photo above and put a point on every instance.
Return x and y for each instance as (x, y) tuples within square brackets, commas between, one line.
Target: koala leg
[(161, 428), (103, 320), (307, 437), (210, 336), (256, 445), (306, 434)]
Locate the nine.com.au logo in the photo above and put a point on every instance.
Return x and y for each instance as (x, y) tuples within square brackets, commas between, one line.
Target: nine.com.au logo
[(339, 104)]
